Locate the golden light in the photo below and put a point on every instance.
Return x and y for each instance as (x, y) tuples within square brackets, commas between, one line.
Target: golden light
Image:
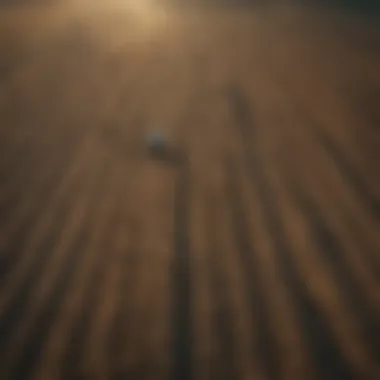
[(147, 13), (118, 21), (142, 8)]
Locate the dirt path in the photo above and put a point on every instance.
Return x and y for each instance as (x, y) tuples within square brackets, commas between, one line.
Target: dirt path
[(253, 254)]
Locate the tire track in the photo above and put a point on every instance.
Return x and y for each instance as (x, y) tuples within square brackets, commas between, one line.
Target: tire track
[(48, 296), (182, 313), (325, 351), (84, 298), (37, 235), (27, 208), (222, 314), (265, 346), (331, 252)]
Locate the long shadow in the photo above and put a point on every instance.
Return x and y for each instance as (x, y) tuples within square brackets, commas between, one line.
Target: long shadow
[(182, 314), (222, 315)]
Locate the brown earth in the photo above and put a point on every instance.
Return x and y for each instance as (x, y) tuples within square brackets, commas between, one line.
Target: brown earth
[(251, 251)]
